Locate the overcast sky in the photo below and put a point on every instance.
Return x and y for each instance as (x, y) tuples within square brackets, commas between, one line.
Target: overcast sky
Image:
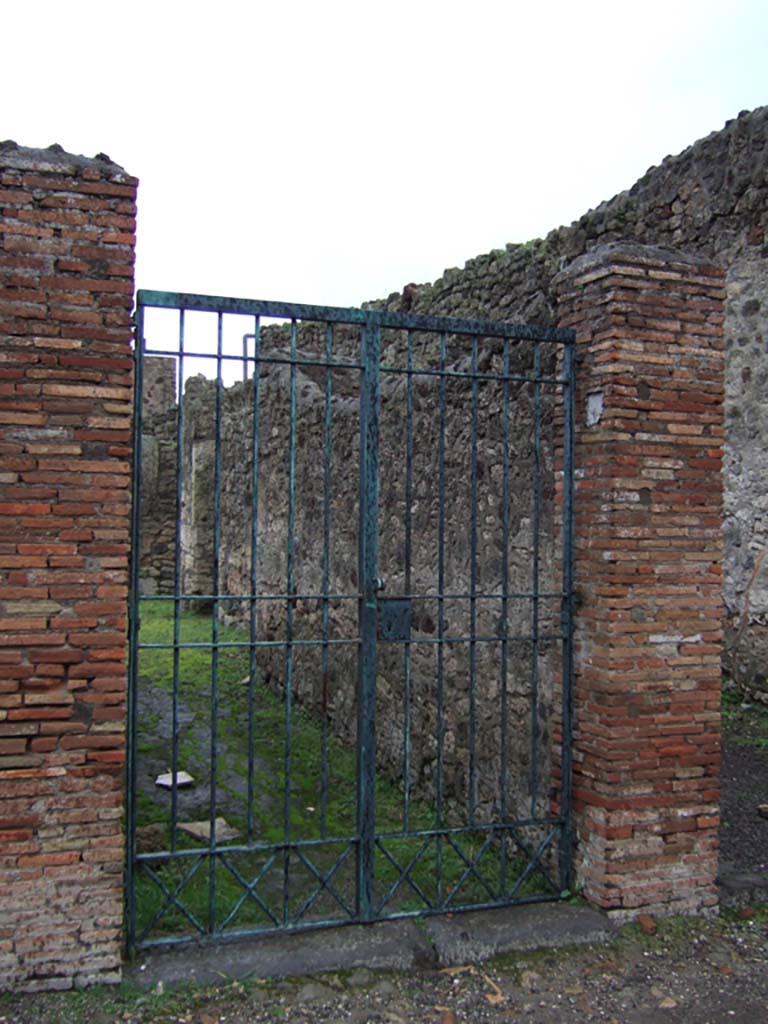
[(334, 151)]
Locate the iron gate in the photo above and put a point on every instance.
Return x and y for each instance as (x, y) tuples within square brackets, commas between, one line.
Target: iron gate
[(351, 617)]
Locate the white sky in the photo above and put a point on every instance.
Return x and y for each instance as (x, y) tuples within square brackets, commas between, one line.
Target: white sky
[(332, 152)]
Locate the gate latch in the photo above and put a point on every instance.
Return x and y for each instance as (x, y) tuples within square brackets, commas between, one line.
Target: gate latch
[(394, 618)]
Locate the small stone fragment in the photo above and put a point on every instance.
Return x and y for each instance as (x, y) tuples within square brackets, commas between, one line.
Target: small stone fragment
[(150, 838), (313, 992), (182, 779), (762, 810), (360, 978), (668, 1003), (530, 981), (202, 830)]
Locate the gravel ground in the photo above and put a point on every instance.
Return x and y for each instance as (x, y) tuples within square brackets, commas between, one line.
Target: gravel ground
[(689, 972), (744, 781), (681, 970)]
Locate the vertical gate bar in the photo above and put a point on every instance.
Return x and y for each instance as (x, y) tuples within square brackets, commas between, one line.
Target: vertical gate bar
[(177, 590), (473, 587), (367, 573), (505, 498), (215, 629), (440, 617), (326, 579), (289, 590), (408, 584), (535, 572), (569, 401), (252, 667), (134, 626)]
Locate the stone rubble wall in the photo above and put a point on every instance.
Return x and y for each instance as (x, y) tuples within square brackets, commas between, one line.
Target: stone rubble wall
[(711, 200), (333, 693), (159, 472)]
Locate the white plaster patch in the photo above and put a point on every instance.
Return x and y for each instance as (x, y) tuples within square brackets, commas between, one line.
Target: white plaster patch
[(595, 404)]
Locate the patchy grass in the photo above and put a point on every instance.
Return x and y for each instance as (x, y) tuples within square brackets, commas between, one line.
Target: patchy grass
[(103, 1004), (744, 723)]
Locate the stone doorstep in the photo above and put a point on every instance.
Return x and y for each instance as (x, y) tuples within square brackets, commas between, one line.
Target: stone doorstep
[(403, 945)]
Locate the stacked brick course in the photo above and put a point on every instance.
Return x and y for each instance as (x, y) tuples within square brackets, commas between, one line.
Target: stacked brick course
[(648, 569), (66, 293)]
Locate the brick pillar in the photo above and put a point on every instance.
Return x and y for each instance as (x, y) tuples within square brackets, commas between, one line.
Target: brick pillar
[(66, 293), (648, 450)]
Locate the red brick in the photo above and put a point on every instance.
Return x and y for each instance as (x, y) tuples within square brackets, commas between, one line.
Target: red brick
[(649, 512), (38, 713), (49, 859)]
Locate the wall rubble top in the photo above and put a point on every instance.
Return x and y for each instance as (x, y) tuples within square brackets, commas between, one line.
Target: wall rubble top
[(55, 158)]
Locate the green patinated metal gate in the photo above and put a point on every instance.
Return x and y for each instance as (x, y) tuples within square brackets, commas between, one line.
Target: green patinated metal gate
[(351, 617)]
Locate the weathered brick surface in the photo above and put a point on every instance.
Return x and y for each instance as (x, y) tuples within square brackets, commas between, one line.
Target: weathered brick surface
[(649, 444), (66, 287)]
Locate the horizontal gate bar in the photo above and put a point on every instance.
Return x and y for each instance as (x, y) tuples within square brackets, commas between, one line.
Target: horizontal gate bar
[(489, 827), (319, 641), (522, 595), (340, 315), (523, 378)]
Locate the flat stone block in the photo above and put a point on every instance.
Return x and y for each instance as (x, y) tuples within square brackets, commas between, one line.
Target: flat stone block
[(479, 935)]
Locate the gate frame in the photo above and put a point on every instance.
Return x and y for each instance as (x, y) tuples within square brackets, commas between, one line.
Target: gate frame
[(371, 323)]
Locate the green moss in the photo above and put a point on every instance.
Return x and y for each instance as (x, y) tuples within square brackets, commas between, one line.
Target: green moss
[(534, 246)]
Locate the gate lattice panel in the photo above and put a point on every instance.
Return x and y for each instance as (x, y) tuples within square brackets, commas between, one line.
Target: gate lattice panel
[(351, 617)]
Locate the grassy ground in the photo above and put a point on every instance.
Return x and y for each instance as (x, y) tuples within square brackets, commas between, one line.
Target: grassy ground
[(316, 801)]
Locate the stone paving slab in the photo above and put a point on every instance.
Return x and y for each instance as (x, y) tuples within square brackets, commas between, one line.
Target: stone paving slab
[(389, 945), (480, 935)]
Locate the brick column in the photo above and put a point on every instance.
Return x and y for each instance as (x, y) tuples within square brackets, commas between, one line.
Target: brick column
[(649, 435), (66, 293)]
